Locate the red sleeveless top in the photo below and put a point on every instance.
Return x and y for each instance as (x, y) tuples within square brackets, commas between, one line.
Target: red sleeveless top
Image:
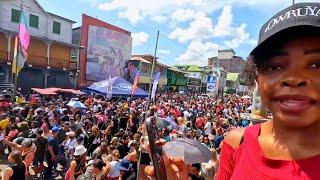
[(248, 162)]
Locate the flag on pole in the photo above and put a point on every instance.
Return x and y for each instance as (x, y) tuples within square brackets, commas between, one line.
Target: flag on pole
[(24, 34), (155, 84), (20, 46), (109, 88), (135, 83)]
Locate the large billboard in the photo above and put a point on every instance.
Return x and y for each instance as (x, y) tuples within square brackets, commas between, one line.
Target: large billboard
[(108, 53)]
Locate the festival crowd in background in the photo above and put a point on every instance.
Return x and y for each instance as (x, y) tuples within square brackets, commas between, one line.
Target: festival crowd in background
[(46, 139)]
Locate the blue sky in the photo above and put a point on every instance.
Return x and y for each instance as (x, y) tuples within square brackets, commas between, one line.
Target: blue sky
[(197, 28)]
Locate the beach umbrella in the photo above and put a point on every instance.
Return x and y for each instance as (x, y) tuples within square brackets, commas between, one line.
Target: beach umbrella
[(190, 151), (77, 104)]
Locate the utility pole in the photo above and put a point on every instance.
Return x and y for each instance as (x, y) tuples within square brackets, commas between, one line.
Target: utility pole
[(148, 100), (152, 70), (293, 2)]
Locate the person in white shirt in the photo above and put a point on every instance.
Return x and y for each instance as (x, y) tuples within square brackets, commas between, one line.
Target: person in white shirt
[(186, 115), (207, 126), (69, 144)]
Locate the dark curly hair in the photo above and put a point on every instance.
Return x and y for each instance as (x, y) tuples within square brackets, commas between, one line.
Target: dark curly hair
[(261, 56), (249, 71)]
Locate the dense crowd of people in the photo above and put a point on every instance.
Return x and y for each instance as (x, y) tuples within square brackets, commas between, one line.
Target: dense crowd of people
[(47, 139)]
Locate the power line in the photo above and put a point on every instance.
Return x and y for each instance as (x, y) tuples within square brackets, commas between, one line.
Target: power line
[(206, 58), (152, 41), (30, 10)]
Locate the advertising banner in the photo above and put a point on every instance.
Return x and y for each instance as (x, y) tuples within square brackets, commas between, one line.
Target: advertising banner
[(135, 84), (211, 83), (108, 53), (155, 84)]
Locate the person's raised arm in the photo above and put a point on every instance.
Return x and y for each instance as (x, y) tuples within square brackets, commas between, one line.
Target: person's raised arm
[(12, 144)]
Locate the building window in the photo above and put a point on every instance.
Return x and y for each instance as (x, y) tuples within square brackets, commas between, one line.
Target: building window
[(56, 27), (34, 21), (15, 15)]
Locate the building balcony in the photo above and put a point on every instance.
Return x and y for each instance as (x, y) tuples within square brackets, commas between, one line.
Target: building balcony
[(41, 61)]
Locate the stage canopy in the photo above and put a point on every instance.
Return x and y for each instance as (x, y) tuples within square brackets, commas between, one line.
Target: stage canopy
[(120, 88), (55, 91)]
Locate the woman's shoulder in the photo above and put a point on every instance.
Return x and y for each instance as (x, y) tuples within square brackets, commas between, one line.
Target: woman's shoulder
[(233, 138)]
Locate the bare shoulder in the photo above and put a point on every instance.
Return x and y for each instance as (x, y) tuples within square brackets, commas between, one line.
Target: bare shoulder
[(8, 171), (233, 137)]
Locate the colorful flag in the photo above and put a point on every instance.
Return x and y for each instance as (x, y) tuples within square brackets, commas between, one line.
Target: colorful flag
[(24, 34), (135, 83), (21, 44), (155, 84), (15, 53)]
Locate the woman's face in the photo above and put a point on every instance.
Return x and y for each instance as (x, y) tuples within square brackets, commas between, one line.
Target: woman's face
[(290, 84)]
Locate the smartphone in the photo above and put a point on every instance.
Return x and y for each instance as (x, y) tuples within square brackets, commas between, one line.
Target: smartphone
[(156, 150)]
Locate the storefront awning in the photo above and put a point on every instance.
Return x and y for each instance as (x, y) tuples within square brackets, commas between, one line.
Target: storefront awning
[(43, 91)]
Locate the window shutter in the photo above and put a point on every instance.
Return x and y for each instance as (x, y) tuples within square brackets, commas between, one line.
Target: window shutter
[(56, 27), (15, 15), (34, 21)]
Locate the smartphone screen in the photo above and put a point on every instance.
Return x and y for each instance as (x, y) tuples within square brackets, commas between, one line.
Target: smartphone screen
[(156, 149)]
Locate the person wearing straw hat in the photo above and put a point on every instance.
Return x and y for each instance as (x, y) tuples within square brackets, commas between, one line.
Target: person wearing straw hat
[(286, 67), (77, 166)]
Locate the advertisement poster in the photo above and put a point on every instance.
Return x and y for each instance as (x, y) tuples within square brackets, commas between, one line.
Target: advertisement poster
[(211, 83), (135, 83), (131, 69), (155, 85), (108, 54)]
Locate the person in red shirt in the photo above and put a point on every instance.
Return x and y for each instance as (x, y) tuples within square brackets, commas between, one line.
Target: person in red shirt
[(286, 67), (200, 122)]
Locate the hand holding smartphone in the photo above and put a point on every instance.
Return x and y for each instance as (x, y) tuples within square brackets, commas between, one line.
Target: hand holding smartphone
[(156, 149)]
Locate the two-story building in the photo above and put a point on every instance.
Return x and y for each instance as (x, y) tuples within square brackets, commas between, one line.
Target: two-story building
[(194, 75), (144, 64), (176, 79), (50, 61)]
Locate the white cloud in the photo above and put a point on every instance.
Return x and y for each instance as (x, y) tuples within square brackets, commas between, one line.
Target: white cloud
[(201, 27), (160, 19), (139, 39), (182, 15), (197, 53), (137, 10), (224, 25), (152, 8), (163, 51)]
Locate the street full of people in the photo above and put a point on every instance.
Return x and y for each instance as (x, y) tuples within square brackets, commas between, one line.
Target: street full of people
[(108, 140)]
